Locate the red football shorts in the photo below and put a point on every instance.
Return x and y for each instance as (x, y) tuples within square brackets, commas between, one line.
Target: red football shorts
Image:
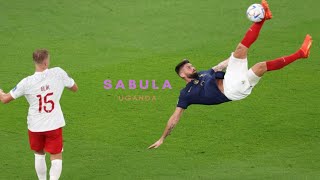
[(49, 141)]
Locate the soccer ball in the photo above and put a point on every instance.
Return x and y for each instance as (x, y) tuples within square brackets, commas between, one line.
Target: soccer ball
[(255, 13)]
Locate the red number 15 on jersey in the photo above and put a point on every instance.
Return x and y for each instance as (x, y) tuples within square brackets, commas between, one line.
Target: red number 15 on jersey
[(45, 102)]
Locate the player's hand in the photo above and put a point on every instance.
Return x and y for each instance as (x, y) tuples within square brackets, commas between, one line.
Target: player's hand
[(156, 144)]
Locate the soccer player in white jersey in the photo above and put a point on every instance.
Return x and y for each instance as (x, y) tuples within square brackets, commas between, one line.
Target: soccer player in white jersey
[(43, 91)]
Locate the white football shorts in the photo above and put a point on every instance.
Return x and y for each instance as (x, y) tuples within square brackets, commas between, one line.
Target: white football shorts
[(239, 81)]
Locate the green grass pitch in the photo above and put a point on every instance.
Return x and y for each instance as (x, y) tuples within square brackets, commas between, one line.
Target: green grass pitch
[(273, 134)]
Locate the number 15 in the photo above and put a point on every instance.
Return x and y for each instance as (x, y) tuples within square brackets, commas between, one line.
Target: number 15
[(46, 101)]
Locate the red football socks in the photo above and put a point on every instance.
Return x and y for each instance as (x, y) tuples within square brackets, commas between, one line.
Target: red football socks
[(283, 61), (252, 34)]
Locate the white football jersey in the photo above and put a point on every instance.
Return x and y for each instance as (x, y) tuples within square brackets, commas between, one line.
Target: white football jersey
[(43, 91)]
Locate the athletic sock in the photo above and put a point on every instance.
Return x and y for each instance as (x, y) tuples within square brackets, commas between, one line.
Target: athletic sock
[(40, 166), (55, 170), (252, 34), (283, 61)]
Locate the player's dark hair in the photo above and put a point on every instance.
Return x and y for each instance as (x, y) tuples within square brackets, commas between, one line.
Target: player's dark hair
[(180, 65), (40, 55)]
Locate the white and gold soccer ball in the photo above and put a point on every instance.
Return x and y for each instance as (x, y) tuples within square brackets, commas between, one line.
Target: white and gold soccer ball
[(255, 13)]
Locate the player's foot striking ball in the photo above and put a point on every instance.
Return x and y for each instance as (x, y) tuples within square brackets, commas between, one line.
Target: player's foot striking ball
[(43, 91), (215, 87)]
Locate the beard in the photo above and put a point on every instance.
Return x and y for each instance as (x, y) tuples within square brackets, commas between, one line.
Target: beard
[(194, 75)]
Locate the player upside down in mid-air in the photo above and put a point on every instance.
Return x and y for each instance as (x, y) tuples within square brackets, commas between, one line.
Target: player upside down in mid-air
[(43, 91), (215, 87)]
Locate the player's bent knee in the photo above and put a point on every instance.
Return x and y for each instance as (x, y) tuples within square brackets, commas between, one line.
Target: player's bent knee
[(56, 156), (241, 52), (259, 69)]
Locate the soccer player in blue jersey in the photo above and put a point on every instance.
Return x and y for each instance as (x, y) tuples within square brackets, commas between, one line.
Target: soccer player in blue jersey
[(214, 86)]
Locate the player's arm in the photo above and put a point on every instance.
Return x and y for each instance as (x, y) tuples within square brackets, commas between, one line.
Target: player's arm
[(173, 121), (68, 82), (221, 66), (5, 97), (74, 88)]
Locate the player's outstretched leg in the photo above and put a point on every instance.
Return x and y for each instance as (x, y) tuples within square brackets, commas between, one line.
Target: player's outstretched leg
[(304, 51), (252, 34)]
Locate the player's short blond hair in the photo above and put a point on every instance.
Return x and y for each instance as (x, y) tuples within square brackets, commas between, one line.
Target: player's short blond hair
[(40, 55)]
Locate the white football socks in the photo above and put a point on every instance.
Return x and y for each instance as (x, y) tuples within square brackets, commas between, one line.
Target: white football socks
[(55, 170), (40, 166)]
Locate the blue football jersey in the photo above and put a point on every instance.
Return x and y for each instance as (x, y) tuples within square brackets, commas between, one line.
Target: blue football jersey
[(203, 90)]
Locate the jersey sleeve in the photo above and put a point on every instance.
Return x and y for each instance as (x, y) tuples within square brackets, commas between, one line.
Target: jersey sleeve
[(66, 79), (211, 71), (183, 102), (19, 90)]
